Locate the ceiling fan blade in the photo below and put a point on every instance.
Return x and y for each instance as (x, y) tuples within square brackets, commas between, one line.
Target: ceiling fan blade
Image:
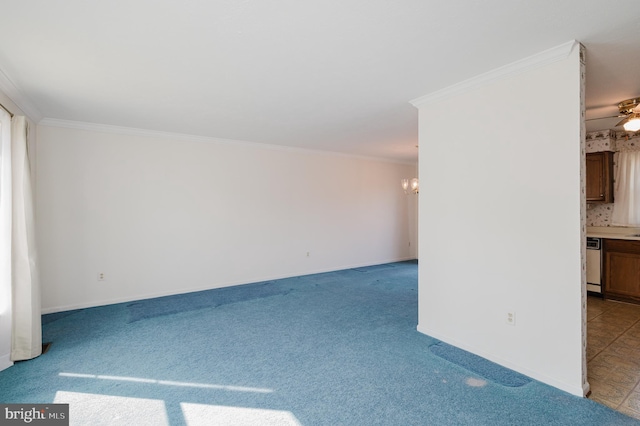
[(602, 118)]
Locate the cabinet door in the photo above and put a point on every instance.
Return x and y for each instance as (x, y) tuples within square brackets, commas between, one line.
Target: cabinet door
[(623, 275), (599, 177), (621, 269), (595, 188)]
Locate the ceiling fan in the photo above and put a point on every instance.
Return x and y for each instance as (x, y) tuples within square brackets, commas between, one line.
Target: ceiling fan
[(630, 110)]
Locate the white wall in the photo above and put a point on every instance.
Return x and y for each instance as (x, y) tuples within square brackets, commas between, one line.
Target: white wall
[(494, 157), (162, 215)]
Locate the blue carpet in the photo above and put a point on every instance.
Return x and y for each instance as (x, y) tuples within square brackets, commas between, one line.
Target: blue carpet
[(339, 348), (481, 366), (49, 318), (168, 305), (375, 268)]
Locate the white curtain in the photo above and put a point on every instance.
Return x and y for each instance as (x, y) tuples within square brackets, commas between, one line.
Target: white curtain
[(626, 210), (5, 239), (26, 338)]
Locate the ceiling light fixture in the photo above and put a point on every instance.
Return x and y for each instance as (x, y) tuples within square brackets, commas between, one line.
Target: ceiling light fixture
[(410, 185), (631, 123)]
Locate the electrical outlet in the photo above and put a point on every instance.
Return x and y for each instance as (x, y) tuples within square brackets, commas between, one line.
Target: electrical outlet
[(100, 276), (511, 317)]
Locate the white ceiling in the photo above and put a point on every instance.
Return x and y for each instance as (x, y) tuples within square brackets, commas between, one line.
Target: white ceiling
[(322, 74)]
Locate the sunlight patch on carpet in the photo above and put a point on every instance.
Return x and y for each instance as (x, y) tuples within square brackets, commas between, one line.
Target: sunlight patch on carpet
[(96, 410), (166, 382), (481, 366), (206, 415)]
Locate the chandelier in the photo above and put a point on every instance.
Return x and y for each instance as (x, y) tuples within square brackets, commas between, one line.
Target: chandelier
[(410, 186)]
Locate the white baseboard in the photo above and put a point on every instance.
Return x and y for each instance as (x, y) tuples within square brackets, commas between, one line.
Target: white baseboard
[(249, 280)]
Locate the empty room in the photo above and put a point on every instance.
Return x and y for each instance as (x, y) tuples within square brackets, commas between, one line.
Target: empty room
[(290, 213)]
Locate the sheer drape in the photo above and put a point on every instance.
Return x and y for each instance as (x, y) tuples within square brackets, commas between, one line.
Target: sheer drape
[(626, 210), (26, 341)]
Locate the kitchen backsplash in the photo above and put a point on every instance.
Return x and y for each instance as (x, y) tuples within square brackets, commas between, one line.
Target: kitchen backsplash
[(599, 214), (608, 140)]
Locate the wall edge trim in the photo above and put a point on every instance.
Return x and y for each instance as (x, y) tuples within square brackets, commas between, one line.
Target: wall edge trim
[(184, 137), (543, 58), (10, 89)]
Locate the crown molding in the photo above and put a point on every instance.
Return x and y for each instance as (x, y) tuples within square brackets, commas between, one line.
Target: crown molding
[(541, 59), (183, 137), (9, 88)]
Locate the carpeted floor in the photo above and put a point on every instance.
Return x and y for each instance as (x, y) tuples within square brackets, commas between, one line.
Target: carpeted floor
[(339, 348)]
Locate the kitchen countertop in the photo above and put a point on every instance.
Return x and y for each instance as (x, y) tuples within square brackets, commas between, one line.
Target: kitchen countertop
[(614, 232)]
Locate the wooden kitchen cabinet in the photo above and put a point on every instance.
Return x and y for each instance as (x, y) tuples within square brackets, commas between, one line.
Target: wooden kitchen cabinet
[(622, 270), (600, 177)]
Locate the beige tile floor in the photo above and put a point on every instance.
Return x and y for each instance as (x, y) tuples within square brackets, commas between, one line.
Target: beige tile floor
[(613, 354)]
